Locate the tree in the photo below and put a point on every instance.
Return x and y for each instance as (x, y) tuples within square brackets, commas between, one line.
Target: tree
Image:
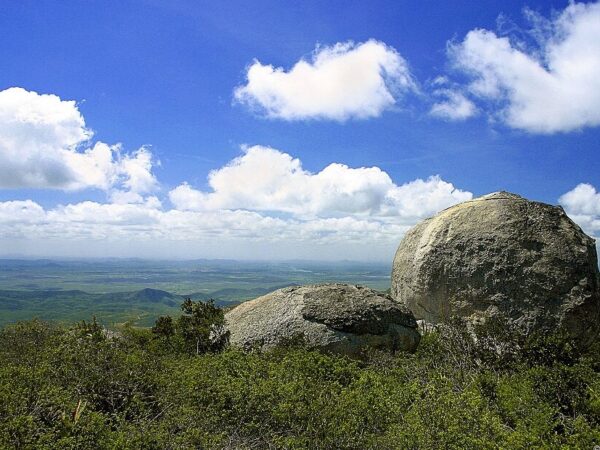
[(202, 325), (164, 327)]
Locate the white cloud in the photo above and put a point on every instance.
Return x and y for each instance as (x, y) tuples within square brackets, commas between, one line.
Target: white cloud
[(27, 211), (44, 143), (265, 179), (148, 221), (262, 205), (582, 204), (136, 169), (455, 105), (552, 88), (583, 199), (264, 199), (343, 81)]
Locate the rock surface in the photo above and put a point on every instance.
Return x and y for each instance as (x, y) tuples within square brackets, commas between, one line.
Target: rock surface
[(335, 317), (501, 255)]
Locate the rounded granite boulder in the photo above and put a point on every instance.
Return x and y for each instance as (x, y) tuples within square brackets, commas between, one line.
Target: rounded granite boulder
[(334, 317), (501, 255)]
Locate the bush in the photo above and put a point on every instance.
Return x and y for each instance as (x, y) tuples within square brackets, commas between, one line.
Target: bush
[(200, 329), (81, 387)]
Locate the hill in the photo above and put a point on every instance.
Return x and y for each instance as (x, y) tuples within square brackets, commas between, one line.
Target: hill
[(140, 307)]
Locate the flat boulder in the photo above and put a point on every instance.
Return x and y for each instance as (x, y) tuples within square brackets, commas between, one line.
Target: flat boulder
[(335, 317), (505, 256)]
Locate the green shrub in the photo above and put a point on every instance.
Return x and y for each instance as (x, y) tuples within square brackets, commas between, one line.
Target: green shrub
[(81, 387)]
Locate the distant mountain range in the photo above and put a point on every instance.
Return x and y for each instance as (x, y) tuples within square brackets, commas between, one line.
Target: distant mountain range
[(117, 291), (139, 307)]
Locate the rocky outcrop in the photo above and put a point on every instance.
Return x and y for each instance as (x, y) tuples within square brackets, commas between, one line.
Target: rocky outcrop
[(334, 317), (501, 255)]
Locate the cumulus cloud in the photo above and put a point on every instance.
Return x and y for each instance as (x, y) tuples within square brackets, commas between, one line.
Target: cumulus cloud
[(340, 82), (455, 106), (551, 87), (582, 204), (44, 143), (266, 179), (263, 196), (262, 200), (147, 221), (23, 212)]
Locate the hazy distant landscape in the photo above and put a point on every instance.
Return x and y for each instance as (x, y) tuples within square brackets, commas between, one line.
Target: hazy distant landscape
[(117, 291)]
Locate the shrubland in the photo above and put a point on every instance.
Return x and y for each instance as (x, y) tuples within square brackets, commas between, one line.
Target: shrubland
[(178, 386)]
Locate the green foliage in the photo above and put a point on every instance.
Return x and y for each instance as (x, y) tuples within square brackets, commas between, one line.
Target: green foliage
[(164, 327), (84, 388), (200, 329), (202, 326)]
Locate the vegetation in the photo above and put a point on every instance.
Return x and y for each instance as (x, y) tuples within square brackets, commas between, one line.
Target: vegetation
[(200, 329), (141, 307), (176, 386)]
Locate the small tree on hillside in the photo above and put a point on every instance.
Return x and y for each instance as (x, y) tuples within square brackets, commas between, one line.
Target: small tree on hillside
[(164, 327), (202, 325)]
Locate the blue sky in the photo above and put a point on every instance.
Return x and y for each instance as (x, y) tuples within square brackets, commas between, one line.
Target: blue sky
[(329, 127)]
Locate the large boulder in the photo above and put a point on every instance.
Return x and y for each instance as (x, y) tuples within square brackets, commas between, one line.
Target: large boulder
[(334, 317), (501, 255)]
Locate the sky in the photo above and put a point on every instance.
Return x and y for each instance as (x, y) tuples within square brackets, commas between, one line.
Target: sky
[(286, 130)]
